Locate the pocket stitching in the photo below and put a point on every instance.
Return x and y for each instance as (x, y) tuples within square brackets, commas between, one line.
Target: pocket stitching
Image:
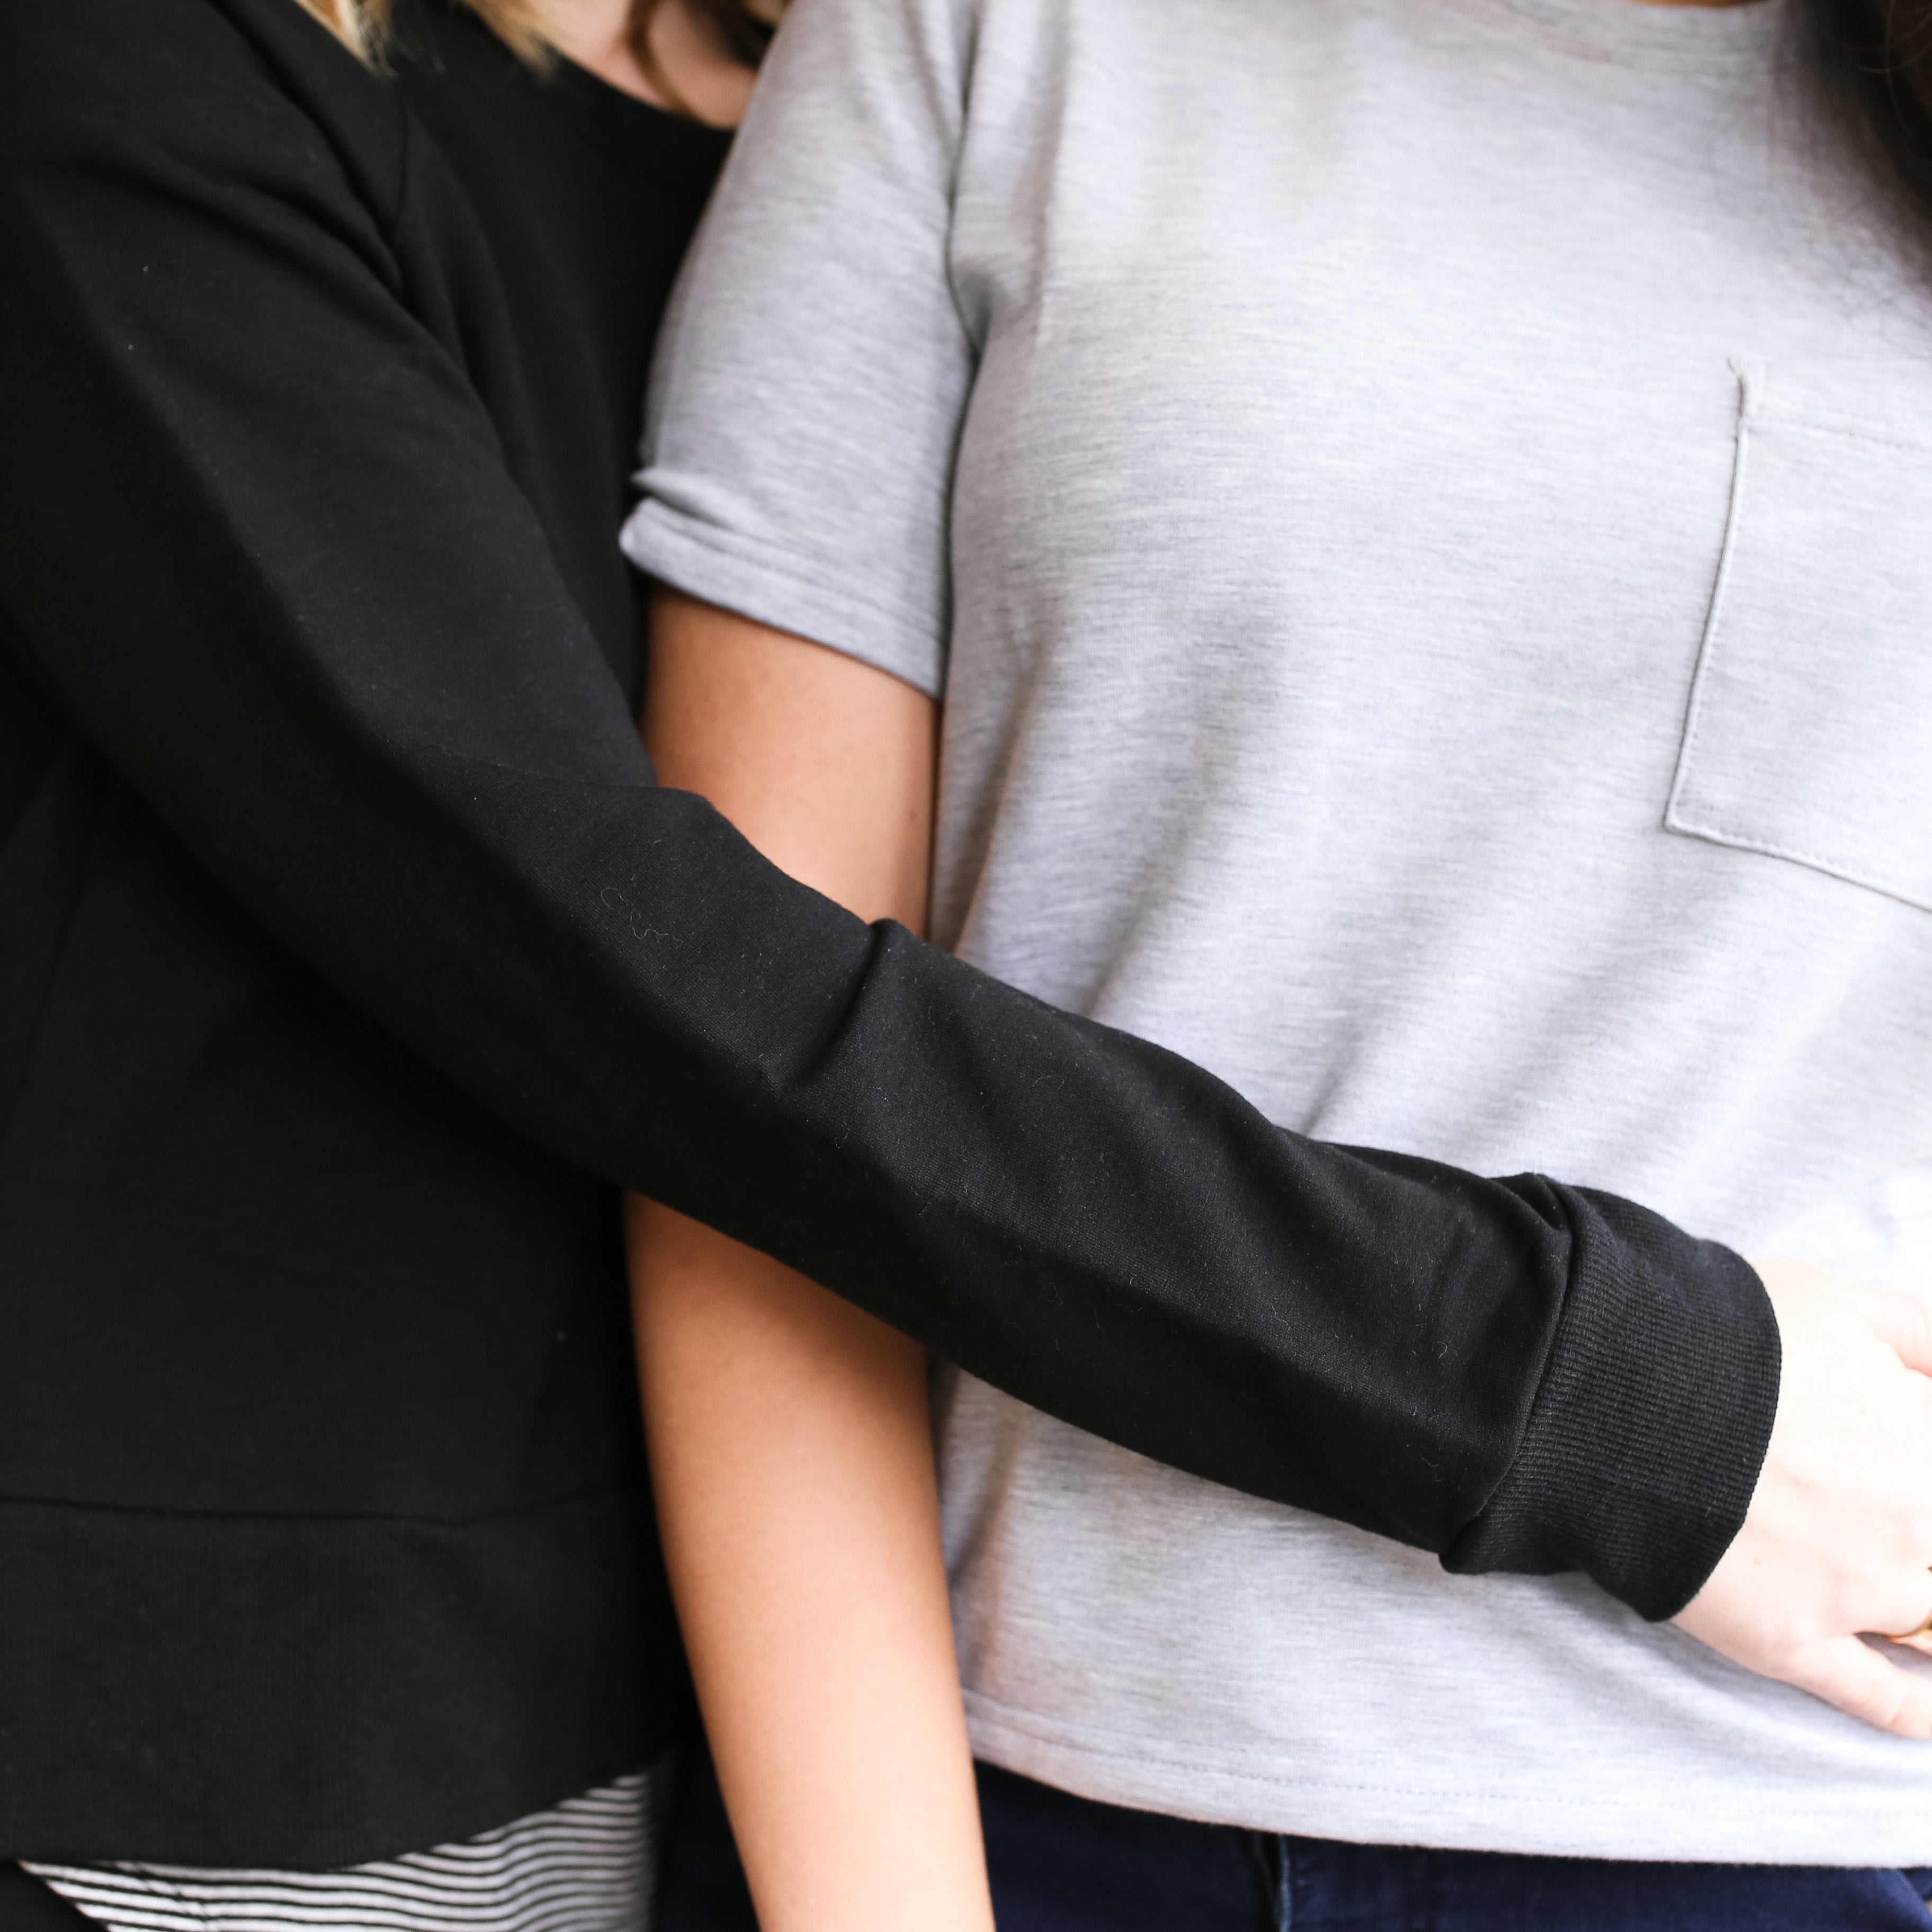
[(1750, 382), (1676, 818), (1853, 431), (1836, 868)]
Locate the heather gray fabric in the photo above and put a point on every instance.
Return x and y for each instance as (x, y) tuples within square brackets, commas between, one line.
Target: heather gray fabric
[(1423, 509)]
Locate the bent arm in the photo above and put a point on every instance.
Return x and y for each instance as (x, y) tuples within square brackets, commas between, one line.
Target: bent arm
[(304, 606), (791, 1446)]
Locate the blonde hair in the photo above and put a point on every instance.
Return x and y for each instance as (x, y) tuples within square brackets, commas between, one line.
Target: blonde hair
[(360, 25)]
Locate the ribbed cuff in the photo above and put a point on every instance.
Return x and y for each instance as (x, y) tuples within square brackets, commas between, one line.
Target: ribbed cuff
[(1645, 1438)]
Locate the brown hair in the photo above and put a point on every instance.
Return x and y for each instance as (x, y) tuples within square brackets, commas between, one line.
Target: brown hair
[(1874, 59), (744, 33)]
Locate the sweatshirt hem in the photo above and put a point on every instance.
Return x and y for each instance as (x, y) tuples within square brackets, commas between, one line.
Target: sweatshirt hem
[(304, 1694)]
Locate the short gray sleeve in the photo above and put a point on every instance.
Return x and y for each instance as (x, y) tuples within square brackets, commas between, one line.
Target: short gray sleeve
[(812, 368)]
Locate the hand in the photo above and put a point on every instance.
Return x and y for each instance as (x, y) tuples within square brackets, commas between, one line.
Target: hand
[(1838, 1536)]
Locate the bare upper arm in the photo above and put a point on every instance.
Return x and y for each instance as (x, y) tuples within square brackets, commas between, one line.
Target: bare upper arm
[(824, 763)]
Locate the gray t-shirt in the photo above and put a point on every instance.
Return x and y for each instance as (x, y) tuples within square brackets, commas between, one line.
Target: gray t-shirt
[(1422, 510)]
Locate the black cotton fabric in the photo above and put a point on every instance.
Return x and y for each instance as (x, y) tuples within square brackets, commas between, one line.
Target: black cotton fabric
[(350, 958), (27, 1906)]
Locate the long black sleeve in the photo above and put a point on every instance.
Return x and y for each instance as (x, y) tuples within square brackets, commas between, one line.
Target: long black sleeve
[(263, 541)]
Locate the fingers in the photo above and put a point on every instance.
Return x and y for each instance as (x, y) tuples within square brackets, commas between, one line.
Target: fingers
[(1902, 1321), (1839, 1528), (1844, 1672), (1906, 1610)]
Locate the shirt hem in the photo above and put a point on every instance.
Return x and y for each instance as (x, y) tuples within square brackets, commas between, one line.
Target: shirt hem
[(691, 558), (1692, 1821)]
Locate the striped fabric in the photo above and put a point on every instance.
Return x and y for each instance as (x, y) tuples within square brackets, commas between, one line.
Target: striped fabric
[(589, 1866)]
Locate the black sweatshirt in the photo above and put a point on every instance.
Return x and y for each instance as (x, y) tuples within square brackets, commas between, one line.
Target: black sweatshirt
[(350, 957)]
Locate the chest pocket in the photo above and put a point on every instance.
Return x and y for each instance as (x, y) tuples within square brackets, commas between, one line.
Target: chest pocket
[(1809, 734)]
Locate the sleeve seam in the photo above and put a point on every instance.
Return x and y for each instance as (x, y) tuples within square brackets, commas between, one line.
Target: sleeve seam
[(761, 551)]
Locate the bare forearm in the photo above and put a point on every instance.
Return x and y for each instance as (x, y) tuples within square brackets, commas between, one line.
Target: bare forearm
[(791, 1450), (790, 1442)]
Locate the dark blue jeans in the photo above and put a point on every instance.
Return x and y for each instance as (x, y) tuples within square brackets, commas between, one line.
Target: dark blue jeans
[(1061, 1864)]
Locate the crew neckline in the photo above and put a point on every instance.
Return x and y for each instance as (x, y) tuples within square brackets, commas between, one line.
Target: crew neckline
[(641, 134), (1646, 33)]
